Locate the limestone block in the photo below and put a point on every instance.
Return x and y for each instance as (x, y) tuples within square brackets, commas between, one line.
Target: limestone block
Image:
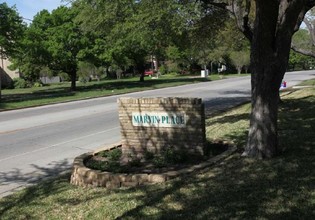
[(157, 178), (112, 185), (140, 178), (129, 184)]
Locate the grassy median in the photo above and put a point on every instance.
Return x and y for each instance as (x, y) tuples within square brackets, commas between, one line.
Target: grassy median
[(239, 188), (21, 98)]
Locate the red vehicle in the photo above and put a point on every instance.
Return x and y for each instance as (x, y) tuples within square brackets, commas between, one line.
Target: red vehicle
[(148, 72)]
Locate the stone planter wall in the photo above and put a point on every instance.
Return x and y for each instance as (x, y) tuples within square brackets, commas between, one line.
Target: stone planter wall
[(86, 177)]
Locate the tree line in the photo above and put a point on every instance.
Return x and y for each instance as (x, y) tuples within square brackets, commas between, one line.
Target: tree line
[(93, 37), (98, 36)]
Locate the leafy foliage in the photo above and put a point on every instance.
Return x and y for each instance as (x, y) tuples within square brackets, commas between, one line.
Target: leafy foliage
[(20, 83), (11, 30), (119, 34), (111, 164), (114, 154), (52, 41), (170, 156), (240, 59)]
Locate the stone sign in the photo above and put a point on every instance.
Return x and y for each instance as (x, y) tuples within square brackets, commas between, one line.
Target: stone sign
[(153, 124)]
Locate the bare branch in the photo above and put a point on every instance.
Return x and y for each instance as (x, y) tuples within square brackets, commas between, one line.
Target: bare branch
[(308, 5), (241, 14), (310, 27), (219, 4), (302, 51), (290, 16)]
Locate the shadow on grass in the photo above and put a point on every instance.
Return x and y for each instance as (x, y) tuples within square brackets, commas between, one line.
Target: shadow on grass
[(16, 178), (217, 105), (2, 105), (239, 188), (230, 119)]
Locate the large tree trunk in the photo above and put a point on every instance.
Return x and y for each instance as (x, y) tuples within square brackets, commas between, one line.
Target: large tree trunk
[(269, 57), (141, 69), (263, 137), (141, 79), (73, 76), (0, 83), (239, 69), (1, 71)]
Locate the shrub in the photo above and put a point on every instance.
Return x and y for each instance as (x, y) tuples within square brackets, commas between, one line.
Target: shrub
[(159, 162), (38, 84), (148, 155), (85, 79), (163, 69), (64, 76), (173, 156), (170, 156), (112, 164), (135, 162), (113, 154), (20, 83), (173, 67)]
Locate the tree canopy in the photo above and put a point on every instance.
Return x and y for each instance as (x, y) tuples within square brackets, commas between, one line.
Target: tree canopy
[(121, 34), (11, 31), (54, 41)]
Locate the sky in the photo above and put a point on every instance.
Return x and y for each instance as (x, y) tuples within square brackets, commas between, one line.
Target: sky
[(28, 8)]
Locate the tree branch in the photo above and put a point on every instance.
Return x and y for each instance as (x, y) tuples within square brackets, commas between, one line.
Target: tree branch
[(290, 16), (310, 27), (240, 12), (302, 51), (221, 5), (308, 5)]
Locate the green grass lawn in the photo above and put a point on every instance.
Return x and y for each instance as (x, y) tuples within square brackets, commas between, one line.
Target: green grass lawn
[(237, 188), (20, 98), (308, 83)]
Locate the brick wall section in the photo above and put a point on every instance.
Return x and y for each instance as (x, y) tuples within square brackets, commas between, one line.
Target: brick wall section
[(138, 139)]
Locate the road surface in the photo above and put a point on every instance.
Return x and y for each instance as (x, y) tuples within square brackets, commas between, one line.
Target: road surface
[(39, 142)]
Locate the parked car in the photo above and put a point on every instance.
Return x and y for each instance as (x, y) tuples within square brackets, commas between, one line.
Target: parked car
[(148, 72)]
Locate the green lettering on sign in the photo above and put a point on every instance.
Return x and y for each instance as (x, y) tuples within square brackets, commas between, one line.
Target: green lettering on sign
[(159, 119)]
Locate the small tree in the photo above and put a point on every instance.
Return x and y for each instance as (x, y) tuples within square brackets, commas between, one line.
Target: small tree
[(240, 59), (52, 40)]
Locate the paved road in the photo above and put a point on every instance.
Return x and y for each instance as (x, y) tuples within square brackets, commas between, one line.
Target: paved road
[(43, 141)]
